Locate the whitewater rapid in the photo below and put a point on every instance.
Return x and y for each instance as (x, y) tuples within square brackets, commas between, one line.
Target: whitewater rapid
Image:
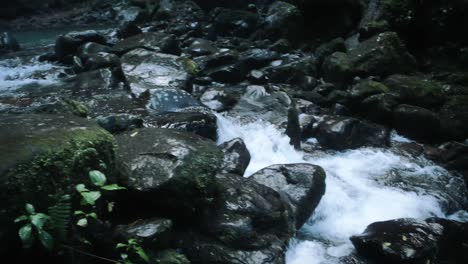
[(354, 197)]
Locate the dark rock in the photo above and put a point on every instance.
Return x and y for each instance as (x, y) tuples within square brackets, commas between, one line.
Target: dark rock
[(128, 29), (281, 46), (291, 69), (201, 47), (101, 60), (227, 74), (283, 20), (147, 232), (379, 108), (222, 98), (132, 14), (145, 70), (236, 156), (327, 49), (8, 42), (399, 241), (452, 246), (68, 44), (90, 48), (172, 100), (120, 122), (165, 166), (159, 42), (302, 185), (256, 58), (454, 117), (367, 88), (202, 124), (381, 55), (349, 133), (236, 23), (337, 69), (415, 122), (293, 129), (416, 91)]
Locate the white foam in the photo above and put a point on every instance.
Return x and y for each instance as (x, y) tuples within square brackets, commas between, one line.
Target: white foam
[(14, 73), (354, 197)]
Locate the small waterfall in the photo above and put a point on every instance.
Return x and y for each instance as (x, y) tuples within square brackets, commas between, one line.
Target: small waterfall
[(354, 197)]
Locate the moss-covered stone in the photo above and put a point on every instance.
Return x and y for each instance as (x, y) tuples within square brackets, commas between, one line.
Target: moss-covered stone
[(44, 154), (416, 91), (166, 166), (367, 88)]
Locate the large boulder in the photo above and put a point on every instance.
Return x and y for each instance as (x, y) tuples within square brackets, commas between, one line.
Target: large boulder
[(302, 185), (144, 69), (349, 133), (283, 20), (236, 156), (416, 91), (382, 55), (43, 155), (337, 69), (165, 166), (69, 43), (222, 98), (251, 225), (416, 122)]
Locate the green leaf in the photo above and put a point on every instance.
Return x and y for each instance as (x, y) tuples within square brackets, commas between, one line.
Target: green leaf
[(81, 188), (113, 187), (83, 222), (97, 178), (79, 213), (30, 208), (21, 218), (120, 245), (93, 215), (26, 235), (91, 197), (46, 239), (39, 220), (124, 256), (139, 250)]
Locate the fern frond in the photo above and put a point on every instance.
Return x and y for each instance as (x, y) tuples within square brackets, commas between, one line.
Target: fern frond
[(60, 216)]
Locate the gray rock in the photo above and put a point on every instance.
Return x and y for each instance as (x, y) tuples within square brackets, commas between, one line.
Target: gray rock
[(236, 156)]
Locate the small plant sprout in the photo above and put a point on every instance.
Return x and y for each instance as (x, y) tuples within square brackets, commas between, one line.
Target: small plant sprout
[(34, 225)]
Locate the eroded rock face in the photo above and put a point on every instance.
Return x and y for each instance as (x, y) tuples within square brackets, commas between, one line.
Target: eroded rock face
[(145, 70), (302, 185), (400, 241), (166, 166)]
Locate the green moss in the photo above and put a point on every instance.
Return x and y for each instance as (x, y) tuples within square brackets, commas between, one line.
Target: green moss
[(77, 108), (190, 66)]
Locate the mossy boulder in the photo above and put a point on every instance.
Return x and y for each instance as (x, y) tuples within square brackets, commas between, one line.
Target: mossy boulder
[(382, 55), (167, 167), (367, 88), (42, 155), (416, 91)]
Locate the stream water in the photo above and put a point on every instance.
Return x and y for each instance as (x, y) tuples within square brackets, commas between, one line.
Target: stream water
[(354, 197)]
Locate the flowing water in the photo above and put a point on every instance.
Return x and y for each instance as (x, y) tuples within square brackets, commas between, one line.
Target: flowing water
[(354, 197)]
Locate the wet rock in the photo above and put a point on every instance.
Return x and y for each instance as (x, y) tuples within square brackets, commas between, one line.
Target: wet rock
[(256, 58), (452, 246), (293, 128), (349, 133), (379, 108), (159, 42), (327, 49), (236, 156), (145, 69), (256, 103), (227, 74), (382, 55), (454, 117), (202, 124), (302, 185), (201, 47), (68, 44), (416, 91), (172, 100), (165, 166), (222, 98), (41, 154), (415, 122), (367, 88), (236, 23), (149, 231), (283, 20), (90, 48), (399, 241), (291, 69), (101, 60), (120, 122), (337, 69), (132, 14)]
